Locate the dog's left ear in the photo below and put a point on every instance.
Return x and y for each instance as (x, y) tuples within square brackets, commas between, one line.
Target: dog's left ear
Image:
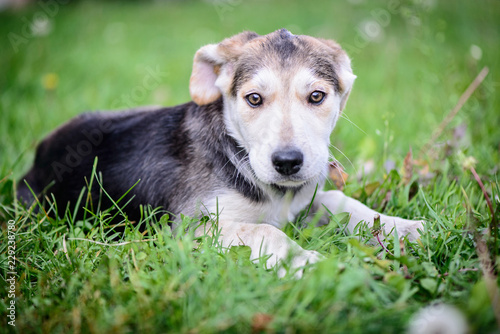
[(345, 70), (211, 62)]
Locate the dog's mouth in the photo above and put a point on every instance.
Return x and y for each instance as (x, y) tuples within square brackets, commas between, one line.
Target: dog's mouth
[(294, 181), (291, 183)]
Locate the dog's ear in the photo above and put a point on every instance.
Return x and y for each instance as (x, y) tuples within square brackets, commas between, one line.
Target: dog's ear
[(345, 70), (347, 78), (210, 62)]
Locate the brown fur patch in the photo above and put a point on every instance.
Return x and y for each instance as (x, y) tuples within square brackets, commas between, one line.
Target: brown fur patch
[(286, 131)]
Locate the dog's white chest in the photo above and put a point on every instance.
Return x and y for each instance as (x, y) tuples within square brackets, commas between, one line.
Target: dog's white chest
[(277, 211)]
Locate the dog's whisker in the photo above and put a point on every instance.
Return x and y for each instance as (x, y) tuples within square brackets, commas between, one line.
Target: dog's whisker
[(233, 156), (323, 176), (345, 156), (333, 159), (344, 116), (236, 162), (243, 165)]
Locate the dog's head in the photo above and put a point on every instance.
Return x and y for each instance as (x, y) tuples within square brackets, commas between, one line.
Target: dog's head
[(282, 97)]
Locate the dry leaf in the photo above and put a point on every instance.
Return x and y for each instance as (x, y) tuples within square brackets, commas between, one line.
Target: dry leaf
[(337, 175), (369, 189), (424, 171), (408, 168), (260, 321)]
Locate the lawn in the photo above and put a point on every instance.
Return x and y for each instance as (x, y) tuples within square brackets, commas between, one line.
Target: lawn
[(413, 59)]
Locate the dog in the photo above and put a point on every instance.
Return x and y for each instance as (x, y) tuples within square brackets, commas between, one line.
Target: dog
[(252, 146)]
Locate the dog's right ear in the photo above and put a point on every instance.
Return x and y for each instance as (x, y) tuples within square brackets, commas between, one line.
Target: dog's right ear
[(213, 61), (345, 70)]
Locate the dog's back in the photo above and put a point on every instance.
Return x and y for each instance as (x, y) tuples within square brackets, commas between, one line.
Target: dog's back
[(129, 146)]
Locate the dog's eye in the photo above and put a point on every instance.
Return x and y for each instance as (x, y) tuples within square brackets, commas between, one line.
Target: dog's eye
[(254, 100), (316, 97)]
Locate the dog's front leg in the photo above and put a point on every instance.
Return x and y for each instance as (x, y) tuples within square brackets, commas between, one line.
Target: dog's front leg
[(337, 202), (267, 241)]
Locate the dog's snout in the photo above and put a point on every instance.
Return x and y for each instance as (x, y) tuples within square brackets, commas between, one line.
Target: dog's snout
[(287, 162)]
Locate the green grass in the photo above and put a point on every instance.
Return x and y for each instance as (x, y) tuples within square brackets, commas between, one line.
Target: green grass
[(97, 55)]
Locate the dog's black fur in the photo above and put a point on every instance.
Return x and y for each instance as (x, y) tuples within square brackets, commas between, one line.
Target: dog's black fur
[(163, 148)]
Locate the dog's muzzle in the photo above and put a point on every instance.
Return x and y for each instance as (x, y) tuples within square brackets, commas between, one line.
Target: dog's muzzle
[(287, 162)]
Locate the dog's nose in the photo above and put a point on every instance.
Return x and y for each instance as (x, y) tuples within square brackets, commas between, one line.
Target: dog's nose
[(287, 162)]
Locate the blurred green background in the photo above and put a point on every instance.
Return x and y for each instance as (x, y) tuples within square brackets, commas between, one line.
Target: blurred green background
[(413, 59)]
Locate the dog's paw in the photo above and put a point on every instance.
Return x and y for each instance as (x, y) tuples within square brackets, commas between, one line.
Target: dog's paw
[(299, 261), (406, 227)]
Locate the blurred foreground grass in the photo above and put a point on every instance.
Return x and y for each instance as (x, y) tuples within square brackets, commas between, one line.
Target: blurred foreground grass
[(413, 59)]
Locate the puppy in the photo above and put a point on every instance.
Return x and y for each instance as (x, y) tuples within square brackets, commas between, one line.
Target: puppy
[(252, 147)]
